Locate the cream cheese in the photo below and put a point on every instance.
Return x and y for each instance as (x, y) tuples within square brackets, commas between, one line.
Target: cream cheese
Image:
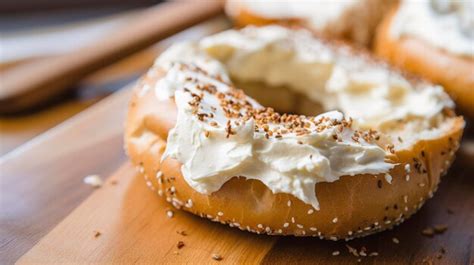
[(446, 24), (213, 147)]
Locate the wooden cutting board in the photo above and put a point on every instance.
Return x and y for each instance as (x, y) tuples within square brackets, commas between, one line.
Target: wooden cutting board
[(124, 222)]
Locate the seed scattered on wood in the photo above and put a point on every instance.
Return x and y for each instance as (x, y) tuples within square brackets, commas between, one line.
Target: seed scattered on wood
[(93, 180), (216, 257), (395, 240), (97, 234), (180, 244), (379, 183), (170, 214), (439, 229), (429, 232), (182, 232), (336, 253)]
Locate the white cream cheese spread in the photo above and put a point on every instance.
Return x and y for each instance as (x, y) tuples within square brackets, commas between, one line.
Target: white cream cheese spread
[(221, 133), (445, 24)]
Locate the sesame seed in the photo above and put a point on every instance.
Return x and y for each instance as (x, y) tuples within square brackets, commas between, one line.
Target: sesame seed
[(216, 257), (189, 203), (310, 211), (407, 177), (93, 180), (220, 213), (313, 229), (170, 214), (260, 226), (334, 220), (439, 229), (336, 253), (429, 232), (299, 226), (288, 203), (286, 225), (159, 174), (293, 220), (395, 240)]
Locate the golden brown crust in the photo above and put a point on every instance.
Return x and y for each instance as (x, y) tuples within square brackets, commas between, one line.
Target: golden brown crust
[(350, 207), (453, 72)]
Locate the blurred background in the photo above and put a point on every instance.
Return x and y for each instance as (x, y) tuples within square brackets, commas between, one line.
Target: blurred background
[(41, 29)]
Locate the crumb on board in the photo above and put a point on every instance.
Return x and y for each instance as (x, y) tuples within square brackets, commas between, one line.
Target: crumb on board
[(216, 257), (182, 232), (180, 244), (170, 213), (429, 232), (93, 180), (439, 229), (97, 233)]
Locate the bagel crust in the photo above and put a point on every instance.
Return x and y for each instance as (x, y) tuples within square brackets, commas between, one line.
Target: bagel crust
[(455, 73), (352, 206)]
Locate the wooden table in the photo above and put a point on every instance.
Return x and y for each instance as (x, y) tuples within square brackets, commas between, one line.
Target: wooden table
[(48, 215)]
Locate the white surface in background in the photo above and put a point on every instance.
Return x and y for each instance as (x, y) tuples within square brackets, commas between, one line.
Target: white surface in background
[(54, 40)]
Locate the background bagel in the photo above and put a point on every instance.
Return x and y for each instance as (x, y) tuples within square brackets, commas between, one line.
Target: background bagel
[(351, 207), (454, 73), (356, 22)]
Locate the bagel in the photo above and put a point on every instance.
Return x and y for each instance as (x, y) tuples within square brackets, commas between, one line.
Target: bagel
[(429, 42), (370, 157), (353, 21)]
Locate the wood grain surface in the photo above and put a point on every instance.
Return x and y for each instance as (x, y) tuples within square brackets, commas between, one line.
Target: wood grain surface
[(18, 129), (135, 228), (41, 181), (52, 77)]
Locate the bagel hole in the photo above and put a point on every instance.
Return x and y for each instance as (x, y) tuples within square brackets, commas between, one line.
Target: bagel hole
[(281, 98)]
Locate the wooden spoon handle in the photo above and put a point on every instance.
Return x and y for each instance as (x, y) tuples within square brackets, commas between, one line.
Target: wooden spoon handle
[(31, 84)]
